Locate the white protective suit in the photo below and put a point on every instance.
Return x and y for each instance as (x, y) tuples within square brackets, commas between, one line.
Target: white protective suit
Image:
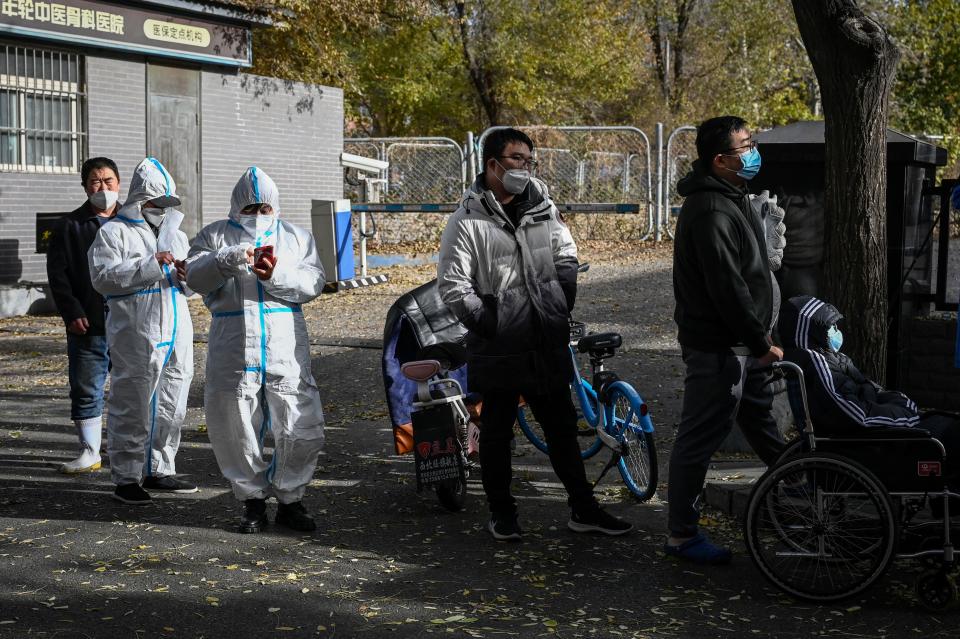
[(148, 327), (258, 364)]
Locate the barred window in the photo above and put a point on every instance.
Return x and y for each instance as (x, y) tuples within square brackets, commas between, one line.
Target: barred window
[(42, 127)]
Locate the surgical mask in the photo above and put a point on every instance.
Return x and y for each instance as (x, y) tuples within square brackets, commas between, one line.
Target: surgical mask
[(751, 164), (103, 200), (514, 180), (154, 216), (834, 338), (257, 223)]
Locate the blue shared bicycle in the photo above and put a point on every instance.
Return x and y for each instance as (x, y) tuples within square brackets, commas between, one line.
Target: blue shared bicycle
[(612, 412)]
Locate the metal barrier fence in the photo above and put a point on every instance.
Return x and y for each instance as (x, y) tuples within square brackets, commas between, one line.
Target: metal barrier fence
[(681, 151), (422, 169), (600, 167), (607, 170)]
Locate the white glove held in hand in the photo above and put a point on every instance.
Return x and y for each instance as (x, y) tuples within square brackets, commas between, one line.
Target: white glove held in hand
[(773, 227), (234, 257)]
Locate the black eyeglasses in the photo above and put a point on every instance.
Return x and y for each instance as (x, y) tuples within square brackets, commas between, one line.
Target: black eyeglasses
[(751, 145), (522, 160)]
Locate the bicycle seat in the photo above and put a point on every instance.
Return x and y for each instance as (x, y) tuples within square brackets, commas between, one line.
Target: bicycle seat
[(599, 342), (421, 370)]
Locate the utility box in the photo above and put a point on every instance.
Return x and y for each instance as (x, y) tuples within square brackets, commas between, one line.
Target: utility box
[(793, 168), (333, 234)]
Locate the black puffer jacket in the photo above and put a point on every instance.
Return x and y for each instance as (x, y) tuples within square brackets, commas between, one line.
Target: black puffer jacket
[(721, 276), (841, 398)]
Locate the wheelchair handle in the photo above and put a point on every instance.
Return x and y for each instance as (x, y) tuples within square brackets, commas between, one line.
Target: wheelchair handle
[(790, 367)]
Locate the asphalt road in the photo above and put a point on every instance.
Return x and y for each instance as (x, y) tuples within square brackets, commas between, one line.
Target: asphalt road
[(385, 561)]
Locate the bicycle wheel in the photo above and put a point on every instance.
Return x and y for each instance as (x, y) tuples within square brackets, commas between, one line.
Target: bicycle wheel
[(452, 494), (820, 527), (626, 420), (533, 431)]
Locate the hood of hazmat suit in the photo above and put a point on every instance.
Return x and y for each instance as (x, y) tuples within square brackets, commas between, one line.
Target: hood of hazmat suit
[(258, 379), (148, 328)]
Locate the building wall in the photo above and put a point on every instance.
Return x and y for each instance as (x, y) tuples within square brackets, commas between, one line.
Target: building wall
[(294, 132), (116, 112)]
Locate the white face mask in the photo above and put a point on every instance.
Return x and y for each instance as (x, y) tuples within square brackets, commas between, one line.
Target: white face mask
[(514, 180), (103, 200), (154, 216), (258, 222)]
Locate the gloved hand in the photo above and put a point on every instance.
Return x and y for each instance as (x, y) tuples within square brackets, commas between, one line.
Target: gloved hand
[(774, 228), (955, 197), (234, 258)]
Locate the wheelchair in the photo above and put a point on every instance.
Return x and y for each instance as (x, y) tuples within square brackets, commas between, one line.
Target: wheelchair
[(834, 511)]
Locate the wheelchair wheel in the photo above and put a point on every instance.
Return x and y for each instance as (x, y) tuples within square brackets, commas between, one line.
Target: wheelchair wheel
[(625, 422), (936, 590), (533, 431), (820, 527)]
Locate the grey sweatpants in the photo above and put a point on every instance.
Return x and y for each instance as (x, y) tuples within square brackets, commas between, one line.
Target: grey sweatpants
[(717, 388)]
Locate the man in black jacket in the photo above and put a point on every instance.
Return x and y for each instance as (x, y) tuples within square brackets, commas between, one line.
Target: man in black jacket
[(82, 308), (724, 295)]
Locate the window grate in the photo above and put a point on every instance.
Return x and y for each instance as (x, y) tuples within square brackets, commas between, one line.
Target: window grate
[(42, 114)]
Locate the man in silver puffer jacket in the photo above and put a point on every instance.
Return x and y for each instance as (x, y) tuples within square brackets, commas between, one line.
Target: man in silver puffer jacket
[(508, 271)]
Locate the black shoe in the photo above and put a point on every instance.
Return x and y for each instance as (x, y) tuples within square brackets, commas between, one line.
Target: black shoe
[(131, 494), (254, 517), (168, 484), (600, 521), (295, 517), (504, 527)]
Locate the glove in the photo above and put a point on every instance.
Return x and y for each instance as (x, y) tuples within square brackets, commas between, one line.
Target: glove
[(774, 229), (955, 197), (234, 258)]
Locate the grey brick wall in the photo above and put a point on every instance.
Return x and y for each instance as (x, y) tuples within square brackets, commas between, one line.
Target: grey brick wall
[(117, 99), (116, 111), (292, 131)]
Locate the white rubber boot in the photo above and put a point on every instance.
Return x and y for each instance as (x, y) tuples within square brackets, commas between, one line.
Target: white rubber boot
[(89, 460)]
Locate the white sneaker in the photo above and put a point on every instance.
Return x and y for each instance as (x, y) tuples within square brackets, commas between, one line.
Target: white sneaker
[(88, 461)]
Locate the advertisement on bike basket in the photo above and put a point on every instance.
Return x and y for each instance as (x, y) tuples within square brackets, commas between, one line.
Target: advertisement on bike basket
[(436, 449)]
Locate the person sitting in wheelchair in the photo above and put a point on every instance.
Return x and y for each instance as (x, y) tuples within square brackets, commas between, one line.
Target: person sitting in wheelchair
[(842, 399)]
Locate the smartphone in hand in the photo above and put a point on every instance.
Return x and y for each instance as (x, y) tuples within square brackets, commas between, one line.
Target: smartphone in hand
[(259, 253)]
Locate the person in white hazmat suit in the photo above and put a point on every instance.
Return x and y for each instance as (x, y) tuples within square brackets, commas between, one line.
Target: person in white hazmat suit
[(258, 368), (136, 263)]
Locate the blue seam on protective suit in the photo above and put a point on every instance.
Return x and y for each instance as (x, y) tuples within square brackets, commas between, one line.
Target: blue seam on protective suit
[(166, 358), (256, 188), (163, 172), (131, 220), (143, 291)]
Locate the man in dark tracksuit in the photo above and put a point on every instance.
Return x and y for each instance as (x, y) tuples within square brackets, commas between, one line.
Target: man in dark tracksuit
[(508, 271), (724, 305), (82, 308)]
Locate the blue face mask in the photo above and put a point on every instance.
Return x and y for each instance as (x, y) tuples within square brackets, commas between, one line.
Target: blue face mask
[(834, 338), (751, 164)]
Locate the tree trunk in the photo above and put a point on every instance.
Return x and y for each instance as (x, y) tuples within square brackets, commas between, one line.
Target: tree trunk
[(480, 75), (855, 62)]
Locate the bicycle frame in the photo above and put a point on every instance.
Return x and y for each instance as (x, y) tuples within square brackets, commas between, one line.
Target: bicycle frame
[(587, 399)]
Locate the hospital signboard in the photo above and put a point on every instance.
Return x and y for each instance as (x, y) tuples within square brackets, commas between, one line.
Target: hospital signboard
[(115, 26)]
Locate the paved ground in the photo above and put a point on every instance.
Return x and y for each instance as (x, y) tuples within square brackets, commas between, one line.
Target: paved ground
[(385, 561)]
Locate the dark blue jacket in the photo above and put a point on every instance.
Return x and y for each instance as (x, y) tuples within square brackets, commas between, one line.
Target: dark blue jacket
[(68, 272)]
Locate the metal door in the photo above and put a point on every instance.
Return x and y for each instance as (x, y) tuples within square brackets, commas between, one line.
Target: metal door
[(173, 133)]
